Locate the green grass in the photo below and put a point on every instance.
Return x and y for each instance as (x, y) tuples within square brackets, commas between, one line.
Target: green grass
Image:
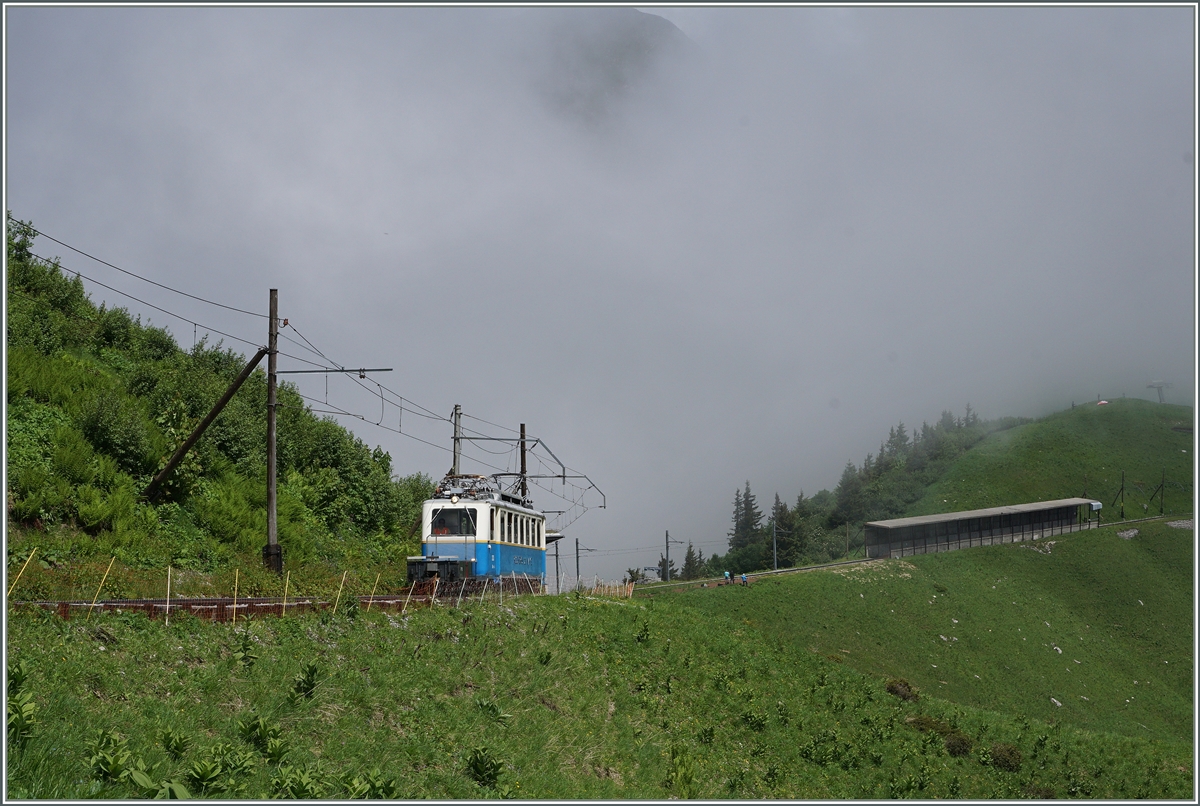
[(983, 627), (1072, 452), (562, 697)]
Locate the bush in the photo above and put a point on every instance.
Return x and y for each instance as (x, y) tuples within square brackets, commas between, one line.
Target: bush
[(116, 425), (958, 744), (1006, 757), (924, 723), (483, 767), (900, 688)]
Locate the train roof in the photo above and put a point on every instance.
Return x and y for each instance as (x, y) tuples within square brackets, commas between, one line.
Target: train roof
[(477, 488)]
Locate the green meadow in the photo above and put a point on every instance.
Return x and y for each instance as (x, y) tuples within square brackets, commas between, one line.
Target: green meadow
[(1074, 453), (1098, 623), (855, 683)]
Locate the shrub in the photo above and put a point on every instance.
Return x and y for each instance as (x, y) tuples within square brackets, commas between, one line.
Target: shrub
[(492, 711), (1006, 757), (116, 425), (924, 723), (483, 767), (682, 777), (756, 722), (958, 744), (176, 744), (298, 782), (257, 733), (20, 707), (304, 684), (901, 688), (371, 785)]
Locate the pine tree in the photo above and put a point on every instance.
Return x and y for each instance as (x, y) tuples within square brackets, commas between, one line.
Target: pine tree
[(849, 496), (693, 563), (779, 513), (663, 568), (751, 518), (738, 512)]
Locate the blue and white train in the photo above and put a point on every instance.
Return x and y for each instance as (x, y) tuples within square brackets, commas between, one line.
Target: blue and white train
[(472, 530)]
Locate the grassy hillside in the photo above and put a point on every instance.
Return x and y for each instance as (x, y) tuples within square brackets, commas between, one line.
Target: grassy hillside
[(97, 401), (1099, 623), (1072, 452), (965, 462), (545, 697)]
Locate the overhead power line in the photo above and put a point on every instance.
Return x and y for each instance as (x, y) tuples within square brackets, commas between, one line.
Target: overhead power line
[(140, 277), (575, 503), (144, 302)]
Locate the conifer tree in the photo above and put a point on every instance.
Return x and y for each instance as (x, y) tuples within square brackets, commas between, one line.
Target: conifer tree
[(751, 517), (693, 564), (663, 568), (738, 512)]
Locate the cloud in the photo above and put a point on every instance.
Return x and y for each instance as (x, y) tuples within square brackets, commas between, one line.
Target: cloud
[(739, 244)]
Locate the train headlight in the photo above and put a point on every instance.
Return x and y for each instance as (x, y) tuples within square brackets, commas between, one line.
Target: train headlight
[(454, 499)]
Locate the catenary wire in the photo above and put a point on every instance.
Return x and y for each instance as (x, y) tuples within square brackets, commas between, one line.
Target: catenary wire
[(574, 502), (143, 302), (428, 413), (138, 276)]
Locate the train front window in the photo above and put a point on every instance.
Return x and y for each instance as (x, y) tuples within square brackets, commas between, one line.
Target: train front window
[(452, 522)]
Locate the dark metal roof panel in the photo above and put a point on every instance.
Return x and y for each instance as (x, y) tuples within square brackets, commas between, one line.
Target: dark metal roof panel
[(1012, 509)]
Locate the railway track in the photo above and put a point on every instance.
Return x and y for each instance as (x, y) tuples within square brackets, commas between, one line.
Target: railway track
[(221, 609)]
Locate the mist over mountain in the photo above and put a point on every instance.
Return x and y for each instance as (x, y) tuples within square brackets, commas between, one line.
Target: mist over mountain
[(718, 243), (585, 62)]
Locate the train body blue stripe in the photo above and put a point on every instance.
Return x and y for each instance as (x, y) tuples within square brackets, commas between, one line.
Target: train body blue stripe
[(492, 559)]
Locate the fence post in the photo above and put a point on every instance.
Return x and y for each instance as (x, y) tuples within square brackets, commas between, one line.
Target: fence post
[(27, 559), (97, 596)]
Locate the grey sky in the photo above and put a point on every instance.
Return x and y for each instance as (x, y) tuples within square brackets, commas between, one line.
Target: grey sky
[(683, 261)]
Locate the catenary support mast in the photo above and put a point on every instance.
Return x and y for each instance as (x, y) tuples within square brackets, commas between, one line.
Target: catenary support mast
[(272, 554)]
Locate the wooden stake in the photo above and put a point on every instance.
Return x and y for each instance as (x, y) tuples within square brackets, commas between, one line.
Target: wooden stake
[(286, 580), (338, 600), (235, 582), (168, 615), (484, 592), (411, 585), (373, 587), (97, 596), (27, 559)]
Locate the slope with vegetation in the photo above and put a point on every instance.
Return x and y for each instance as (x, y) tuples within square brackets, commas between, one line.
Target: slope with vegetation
[(96, 403), (714, 693), (968, 463), (1088, 629)]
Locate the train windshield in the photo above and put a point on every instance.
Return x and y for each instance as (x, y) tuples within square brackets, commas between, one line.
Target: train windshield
[(452, 522)]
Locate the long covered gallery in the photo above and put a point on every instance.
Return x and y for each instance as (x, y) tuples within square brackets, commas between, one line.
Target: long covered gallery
[(923, 534)]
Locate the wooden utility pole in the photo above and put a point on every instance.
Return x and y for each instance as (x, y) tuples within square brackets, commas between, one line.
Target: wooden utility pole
[(577, 563), (272, 553)]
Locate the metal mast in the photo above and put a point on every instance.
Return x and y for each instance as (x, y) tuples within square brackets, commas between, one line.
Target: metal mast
[(457, 438)]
